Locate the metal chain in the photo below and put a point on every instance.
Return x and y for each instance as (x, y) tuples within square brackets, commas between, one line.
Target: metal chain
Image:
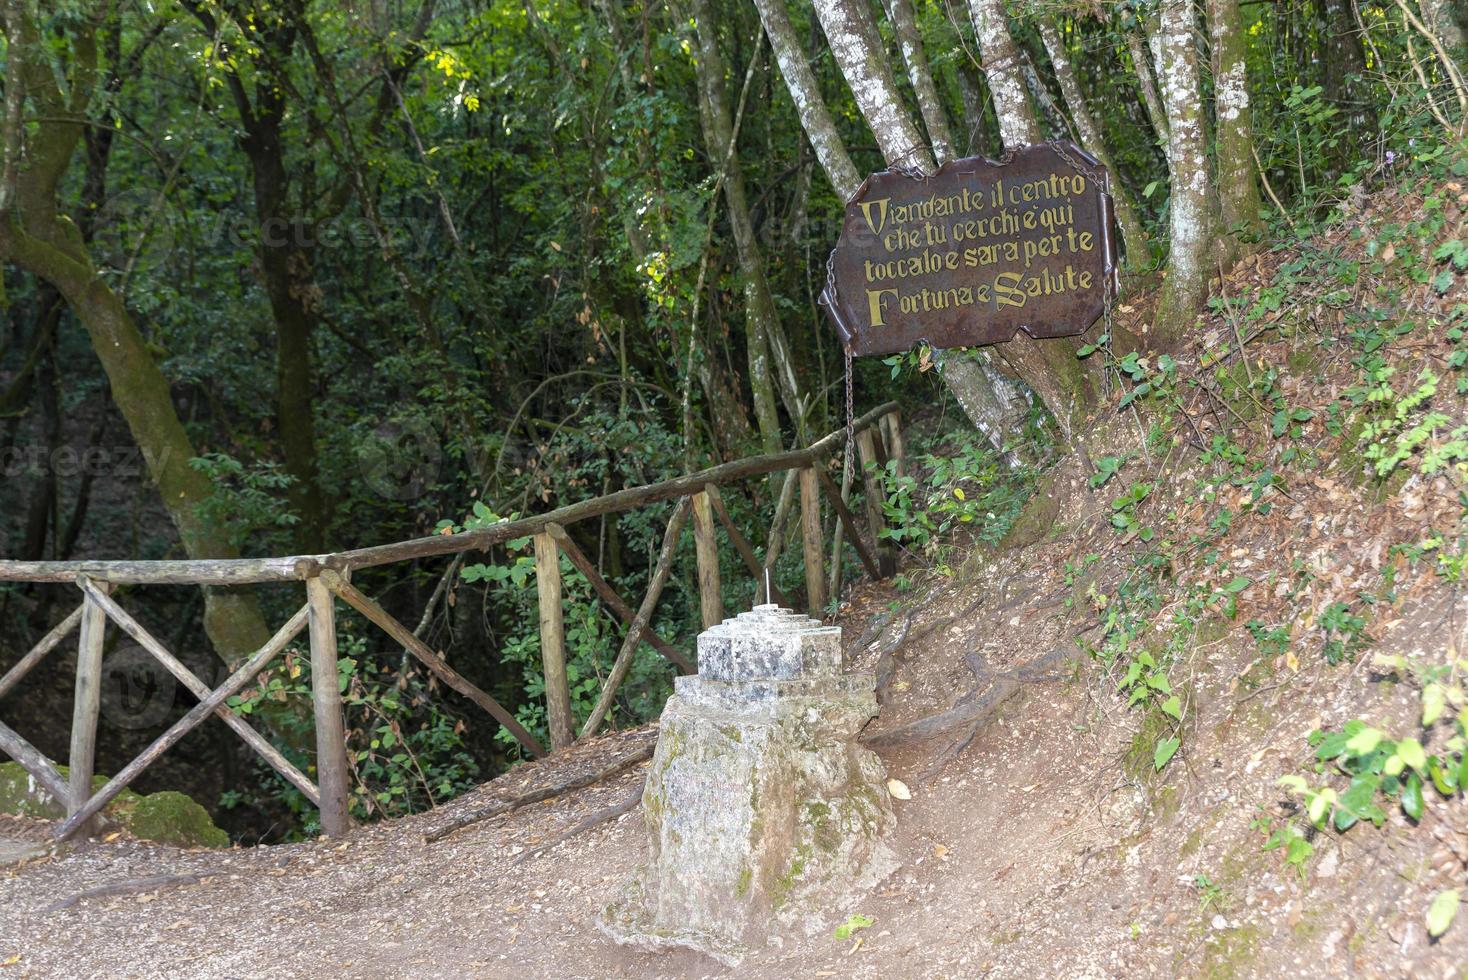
[(850, 424)]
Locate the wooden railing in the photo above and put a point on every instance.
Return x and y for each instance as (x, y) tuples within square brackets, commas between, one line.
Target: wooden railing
[(878, 437)]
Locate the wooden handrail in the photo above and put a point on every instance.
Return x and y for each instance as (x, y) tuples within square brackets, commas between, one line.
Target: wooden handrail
[(250, 571)]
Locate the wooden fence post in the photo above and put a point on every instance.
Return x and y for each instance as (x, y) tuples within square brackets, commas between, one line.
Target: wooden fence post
[(86, 704), (892, 434), (710, 589), (746, 550), (553, 641), (776, 542), (326, 700), (810, 533), (872, 480)]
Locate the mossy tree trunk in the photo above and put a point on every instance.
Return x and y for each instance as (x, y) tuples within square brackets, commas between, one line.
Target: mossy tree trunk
[(284, 242), (767, 370), (1238, 190)]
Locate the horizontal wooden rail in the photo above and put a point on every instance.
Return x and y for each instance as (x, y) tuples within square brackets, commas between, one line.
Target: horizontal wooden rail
[(247, 571)]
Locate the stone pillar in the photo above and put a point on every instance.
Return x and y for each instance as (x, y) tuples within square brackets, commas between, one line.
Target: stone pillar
[(762, 809)]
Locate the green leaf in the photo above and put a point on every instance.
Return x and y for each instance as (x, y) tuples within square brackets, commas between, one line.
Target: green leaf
[(1410, 751), (1159, 682), (856, 921), (1238, 584), (1443, 779), (1164, 751), (1434, 699), (1412, 797), (1356, 802), (1173, 707), (1333, 745), (1134, 394), (1441, 912), (1364, 741), (1318, 804), (1292, 782)]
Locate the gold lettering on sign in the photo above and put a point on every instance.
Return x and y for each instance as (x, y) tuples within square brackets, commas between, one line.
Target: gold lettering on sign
[(995, 243)]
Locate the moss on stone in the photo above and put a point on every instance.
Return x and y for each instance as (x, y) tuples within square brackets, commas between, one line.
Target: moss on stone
[(167, 817), (1230, 953), (780, 893), (170, 817)]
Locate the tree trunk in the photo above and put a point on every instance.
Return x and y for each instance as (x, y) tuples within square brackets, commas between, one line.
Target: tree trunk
[(992, 402), (852, 34), (1187, 263), (1440, 17), (760, 317), (1138, 254), (1004, 71), (1344, 63), (975, 108), (904, 22), (1047, 108), (1147, 82), (805, 92), (1238, 192), (285, 264)]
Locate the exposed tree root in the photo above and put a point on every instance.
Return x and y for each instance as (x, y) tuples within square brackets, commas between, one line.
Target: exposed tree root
[(596, 819), (130, 886), (544, 793), (973, 709)]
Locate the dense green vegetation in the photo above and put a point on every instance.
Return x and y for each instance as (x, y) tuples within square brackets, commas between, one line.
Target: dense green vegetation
[(308, 276)]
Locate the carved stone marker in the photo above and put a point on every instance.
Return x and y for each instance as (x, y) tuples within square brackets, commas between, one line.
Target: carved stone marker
[(761, 807), (974, 252)]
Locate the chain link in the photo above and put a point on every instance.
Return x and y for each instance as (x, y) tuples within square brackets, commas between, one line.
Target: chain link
[(850, 423)]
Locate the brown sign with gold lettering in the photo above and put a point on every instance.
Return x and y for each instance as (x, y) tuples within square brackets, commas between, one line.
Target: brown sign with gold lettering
[(975, 252)]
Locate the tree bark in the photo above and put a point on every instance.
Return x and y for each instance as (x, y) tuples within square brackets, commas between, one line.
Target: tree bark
[(1138, 255), (1187, 269), (852, 34), (1440, 17), (1344, 63), (805, 92), (975, 109), (761, 321), (1238, 192), (1004, 70), (1147, 82), (935, 120)]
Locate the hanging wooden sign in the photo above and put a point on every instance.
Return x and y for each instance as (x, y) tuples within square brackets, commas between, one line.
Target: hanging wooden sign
[(975, 252)]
